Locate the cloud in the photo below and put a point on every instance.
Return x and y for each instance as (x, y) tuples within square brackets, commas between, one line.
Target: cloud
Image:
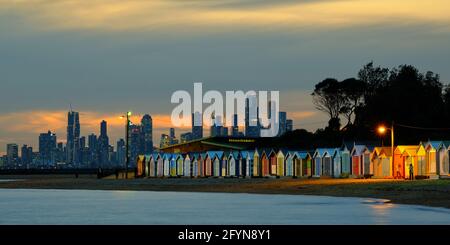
[(192, 16)]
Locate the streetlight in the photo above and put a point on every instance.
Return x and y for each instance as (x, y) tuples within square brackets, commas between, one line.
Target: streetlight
[(127, 155), (382, 130)]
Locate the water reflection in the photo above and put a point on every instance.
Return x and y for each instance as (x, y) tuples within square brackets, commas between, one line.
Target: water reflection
[(21, 206)]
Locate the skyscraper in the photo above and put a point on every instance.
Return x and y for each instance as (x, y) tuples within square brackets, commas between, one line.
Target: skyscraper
[(216, 126), (252, 125), (26, 155), (235, 127), (121, 152), (73, 137), (197, 125), (147, 134), (47, 148), (172, 135), (289, 125), (103, 144), (12, 153), (93, 150), (134, 142), (282, 119)]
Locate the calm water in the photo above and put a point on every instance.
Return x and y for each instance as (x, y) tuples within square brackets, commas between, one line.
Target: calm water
[(145, 207)]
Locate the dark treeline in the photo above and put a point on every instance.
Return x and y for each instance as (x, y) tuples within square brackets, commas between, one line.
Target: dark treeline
[(356, 106)]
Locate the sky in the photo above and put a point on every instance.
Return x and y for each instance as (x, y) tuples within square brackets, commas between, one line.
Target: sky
[(105, 57)]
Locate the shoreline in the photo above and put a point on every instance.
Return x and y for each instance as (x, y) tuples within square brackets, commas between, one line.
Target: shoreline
[(434, 193)]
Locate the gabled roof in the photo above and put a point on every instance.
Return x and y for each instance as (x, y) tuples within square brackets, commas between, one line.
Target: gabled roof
[(246, 154), (167, 156), (434, 144), (213, 154), (446, 143), (321, 152), (385, 150), (358, 149)]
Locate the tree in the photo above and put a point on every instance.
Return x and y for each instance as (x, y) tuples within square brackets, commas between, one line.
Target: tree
[(353, 91), (328, 97), (374, 78)]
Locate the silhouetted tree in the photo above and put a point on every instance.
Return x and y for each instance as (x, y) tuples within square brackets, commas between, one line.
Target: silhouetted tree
[(328, 97), (374, 78), (353, 91)]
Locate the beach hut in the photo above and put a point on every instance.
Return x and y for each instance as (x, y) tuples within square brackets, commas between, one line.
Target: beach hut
[(317, 162), (140, 164), (148, 157), (357, 160), (302, 164), (152, 166), (289, 163), (327, 163), (404, 156), (444, 159), (323, 162), (345, 160), (247, 163), (173, 165), (187, 167), (160, 165), (167, 159), (432, 157), (337, 164), (256, 163), (194, 164), (280, 163), (213, 163), (231, 164), (367, 167), (201, 159), (272, 155), (179, 164), (381, 162), (235, 165), (223, 165), (265, 164), (208, 163)]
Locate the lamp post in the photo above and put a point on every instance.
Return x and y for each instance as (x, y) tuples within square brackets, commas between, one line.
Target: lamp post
[(382, 130), (127, 155)]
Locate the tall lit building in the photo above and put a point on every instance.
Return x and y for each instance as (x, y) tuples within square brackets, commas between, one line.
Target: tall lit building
[(93, 150), (103, 144), (26, 155), (134, 142), (197, 125), (235, 127), (12, 153), (147, 134), (47, 148), (216, 126), (252, 125), (282, 121), (289, 125), (73, 137), (121, 152)]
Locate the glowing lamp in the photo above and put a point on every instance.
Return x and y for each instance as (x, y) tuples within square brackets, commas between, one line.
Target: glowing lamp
[(381, 129)]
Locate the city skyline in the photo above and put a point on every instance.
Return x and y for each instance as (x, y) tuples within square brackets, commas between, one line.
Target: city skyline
[(136, 54)]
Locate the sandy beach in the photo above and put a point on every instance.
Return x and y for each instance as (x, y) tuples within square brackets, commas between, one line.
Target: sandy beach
[(423, 192)]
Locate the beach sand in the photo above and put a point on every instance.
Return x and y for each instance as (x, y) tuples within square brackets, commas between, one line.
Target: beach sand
[(422, 192)]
